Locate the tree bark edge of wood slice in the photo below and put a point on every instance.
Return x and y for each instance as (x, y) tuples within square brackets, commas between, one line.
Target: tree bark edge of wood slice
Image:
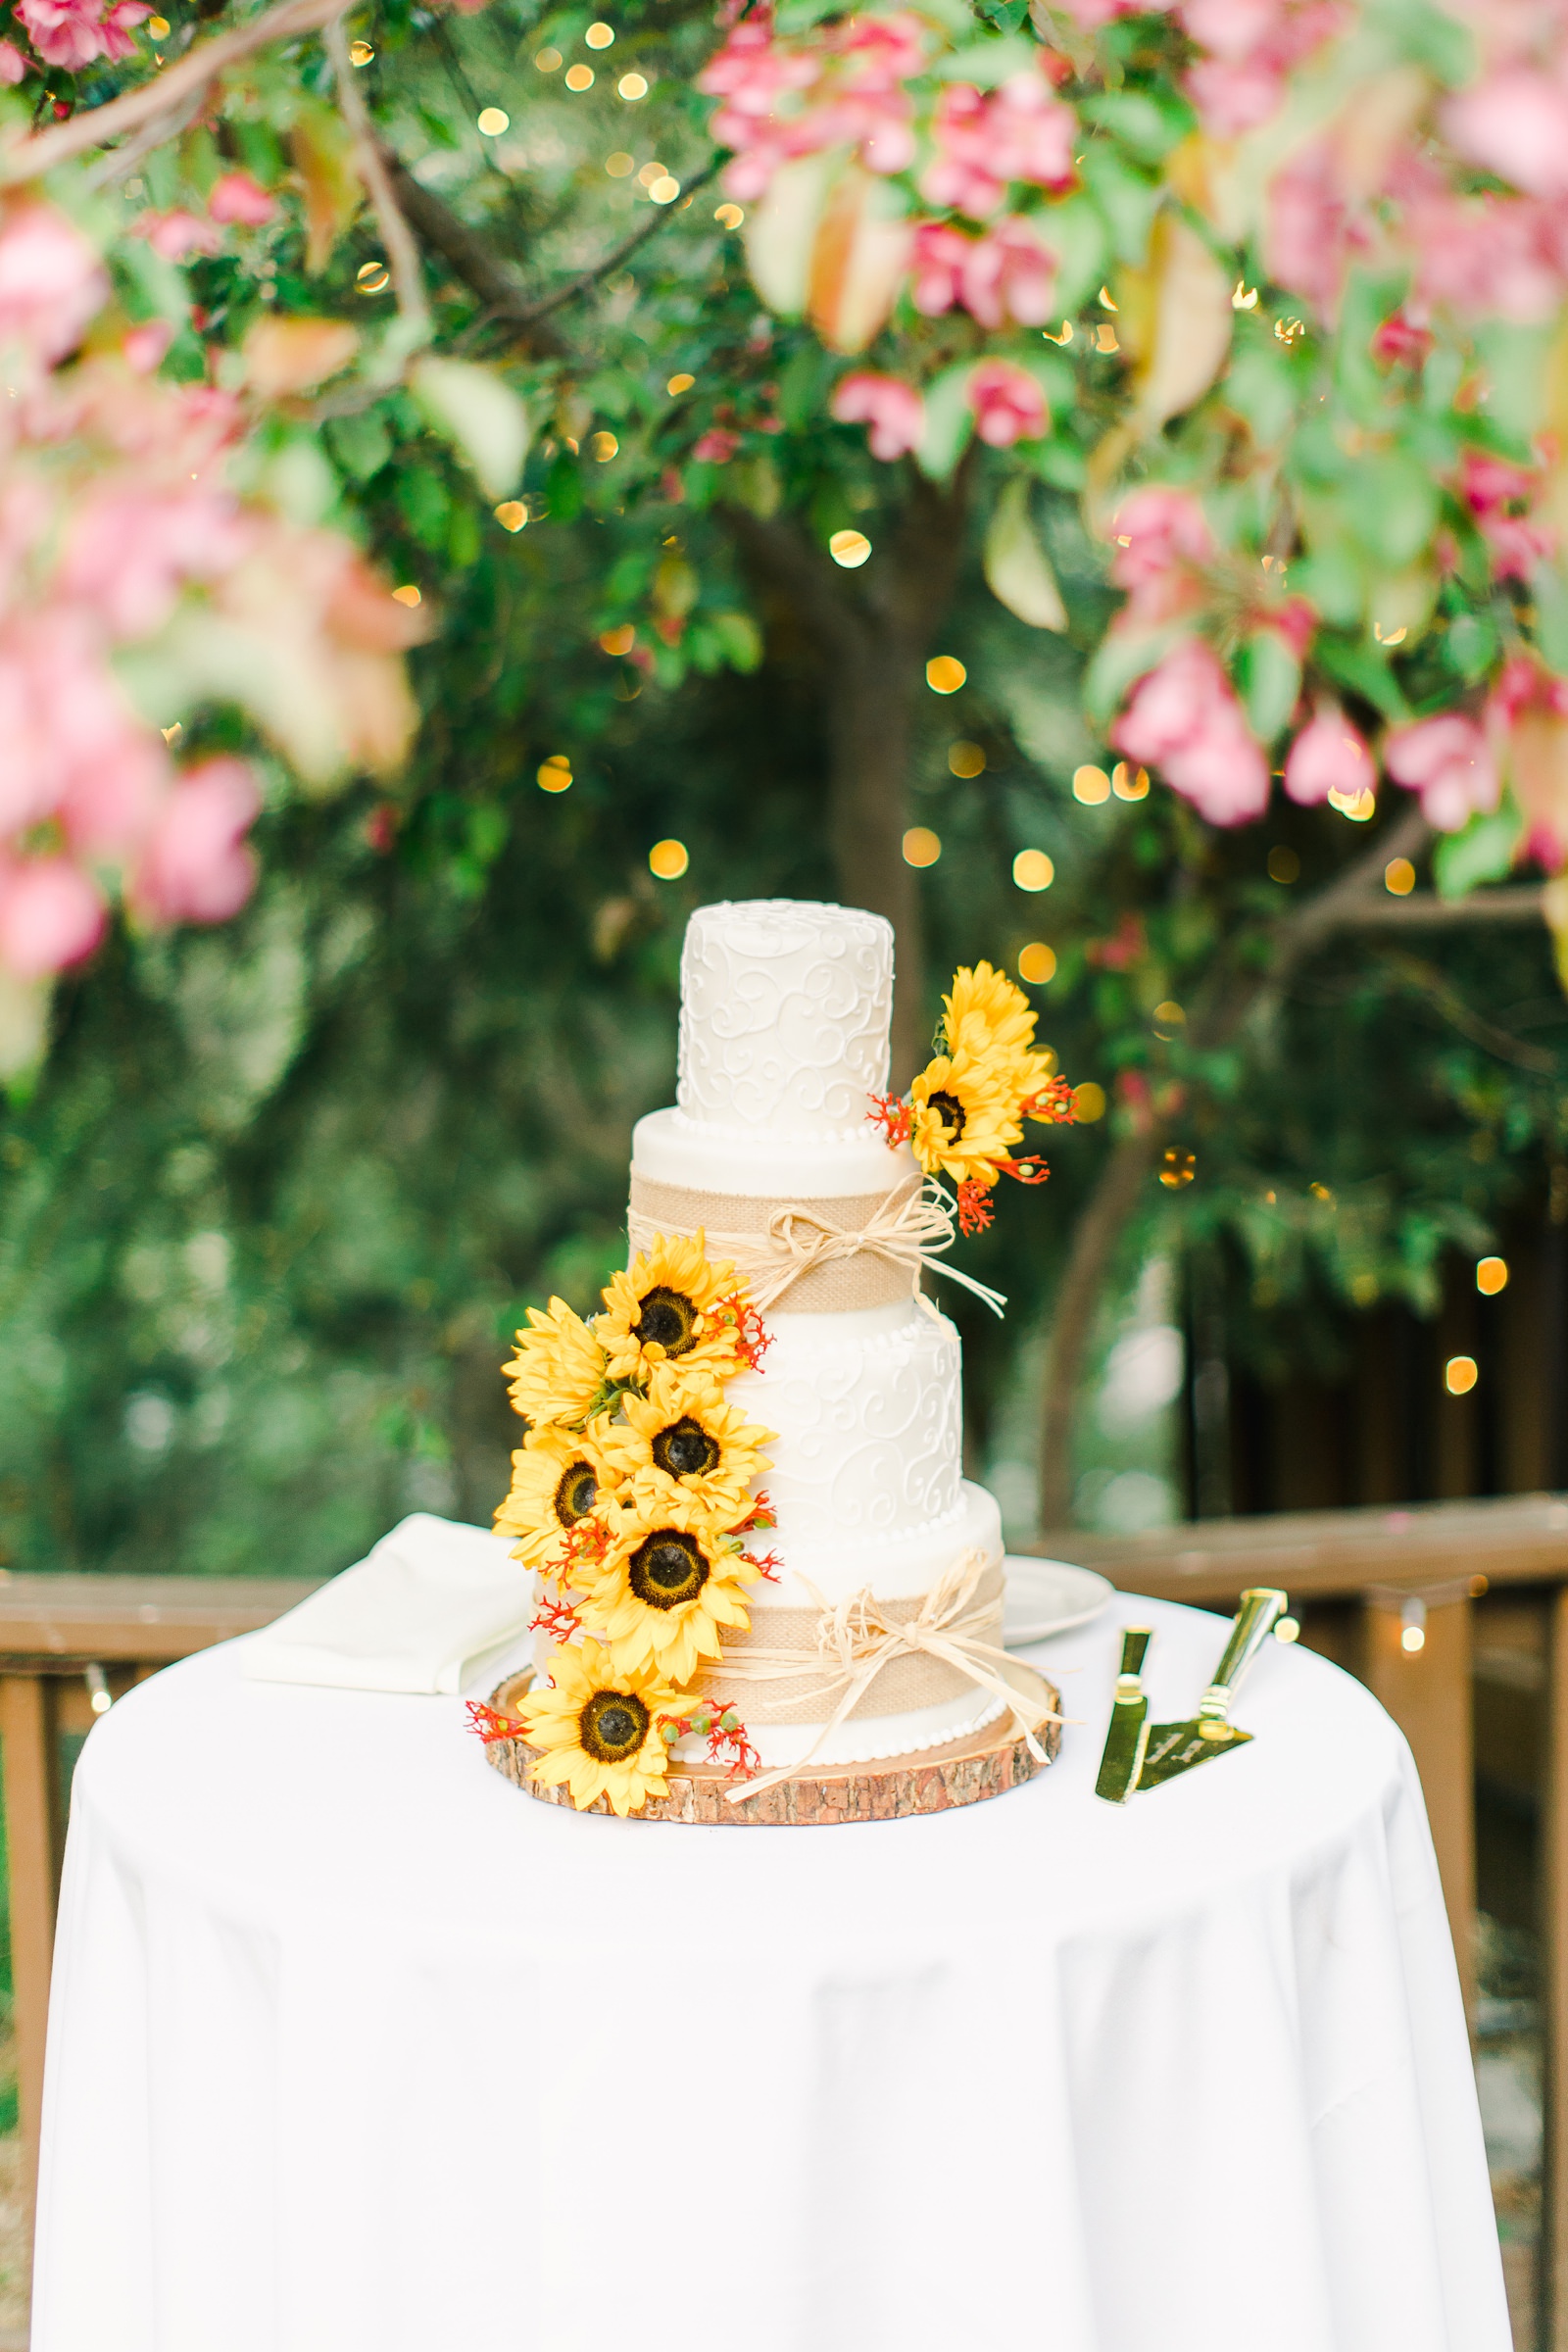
[(933, 1780)]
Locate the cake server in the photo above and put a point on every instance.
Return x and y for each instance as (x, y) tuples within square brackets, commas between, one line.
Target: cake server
[(1175, 1747), (1128, 1735)]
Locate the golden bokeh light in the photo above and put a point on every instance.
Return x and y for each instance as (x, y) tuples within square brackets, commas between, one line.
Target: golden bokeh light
[(620, 640), (555, 773), (1129, 783), (966, 760), (406, 595), (1357, 805), (921, 847), (579, 77), (1032, 869), (1398, 877), (619, 164), (678, 384), (666, 190), (373, 278), (547, 61), (1091, 785), (360, 52), (1177, 1168), (850, 548), (1461, 1374), (669, 860), (1491, 1276), (493, 120), (1284, 866), (729, 216), (1169, 1017), (944, 674), (604, 446), (1037, 963), (631, 86), (599, 35), (512, 515), (1088, 1102)]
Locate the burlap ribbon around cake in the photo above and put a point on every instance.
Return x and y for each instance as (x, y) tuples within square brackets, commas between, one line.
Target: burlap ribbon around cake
[(829, 1256), (827, 1664)]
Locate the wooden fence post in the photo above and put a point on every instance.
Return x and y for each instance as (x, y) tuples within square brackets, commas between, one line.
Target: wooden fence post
[(33, 1832)]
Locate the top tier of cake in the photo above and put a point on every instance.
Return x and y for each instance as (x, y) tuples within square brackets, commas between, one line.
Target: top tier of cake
[(785, 1010)]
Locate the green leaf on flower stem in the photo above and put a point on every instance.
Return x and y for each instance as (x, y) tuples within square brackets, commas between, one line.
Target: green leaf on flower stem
[(1260, 387), (1483, 851), (989, 64), (480, 416), (1149, 126), (1470, 645), (1361, 669), (1075, 231), (1126, 196), (1018, 569), (1392, 506), (421, 497), (740, 637), (948, 422), (1428, 36), (1271, 679), (362, 444), (1552, 617)]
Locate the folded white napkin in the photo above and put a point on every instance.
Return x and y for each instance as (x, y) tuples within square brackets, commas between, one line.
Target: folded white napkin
[(434, 1604)]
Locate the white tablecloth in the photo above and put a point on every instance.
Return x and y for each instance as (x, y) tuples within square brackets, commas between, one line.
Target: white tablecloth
[(357, 2048)]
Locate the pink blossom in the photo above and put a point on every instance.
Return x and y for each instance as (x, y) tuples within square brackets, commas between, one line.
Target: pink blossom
[(1021, 132), (51, 916), (237, 198), (1008, 404), (1401, 342), (1516, 125), (13, 64), (716, 447), (74, 32), (1008, 275), (1498, 255), (196, 867), (1233, 96), (71, 747), (1184, 719), (1450, 762), (894, 410), (1162, 537), (937, 266), (144, 346), (176, 235), (1329, 756), (52, 281), (1251, 47), (1500, 495), (1309, 231), (130, 552)]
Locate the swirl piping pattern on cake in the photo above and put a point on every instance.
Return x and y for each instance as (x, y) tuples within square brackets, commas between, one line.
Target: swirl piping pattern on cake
[(785, 1010)]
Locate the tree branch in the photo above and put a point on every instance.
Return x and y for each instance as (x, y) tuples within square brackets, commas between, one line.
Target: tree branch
[(101, 125), (402, 254), (622, 253), (468, 255)]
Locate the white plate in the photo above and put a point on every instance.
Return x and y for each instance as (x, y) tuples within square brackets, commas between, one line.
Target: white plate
[(1048, 1596)]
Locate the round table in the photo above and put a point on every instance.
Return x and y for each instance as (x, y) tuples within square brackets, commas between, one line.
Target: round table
[(355, 2049)]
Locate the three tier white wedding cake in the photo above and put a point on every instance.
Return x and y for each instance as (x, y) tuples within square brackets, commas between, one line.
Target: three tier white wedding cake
[(741, 1485)]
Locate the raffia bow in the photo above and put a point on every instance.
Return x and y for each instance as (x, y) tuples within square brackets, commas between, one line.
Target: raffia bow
[(914, 1227), (855, 1642)]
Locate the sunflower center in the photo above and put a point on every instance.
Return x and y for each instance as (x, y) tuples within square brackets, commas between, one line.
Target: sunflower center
[(668, 1319), (613, 1726), (685, 1449), (666, 1568), (576, 1493), (950, 1111)]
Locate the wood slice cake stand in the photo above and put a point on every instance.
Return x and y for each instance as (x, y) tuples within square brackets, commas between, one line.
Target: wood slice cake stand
[(933, 1780)]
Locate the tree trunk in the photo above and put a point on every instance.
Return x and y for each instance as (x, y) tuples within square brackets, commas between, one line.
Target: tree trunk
[(871, 632), (1100, 1228)]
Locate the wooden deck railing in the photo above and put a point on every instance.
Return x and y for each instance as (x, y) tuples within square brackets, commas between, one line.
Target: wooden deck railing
[(1365, 1585)]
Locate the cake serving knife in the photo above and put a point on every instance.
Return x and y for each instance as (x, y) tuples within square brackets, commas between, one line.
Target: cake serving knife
[(1128, 1736), (1175, 1747)]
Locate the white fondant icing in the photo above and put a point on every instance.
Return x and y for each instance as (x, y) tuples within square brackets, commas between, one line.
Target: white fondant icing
[(785, 1010), (866, 1739), (892, 1566), (868, 1412), (667, 1148)]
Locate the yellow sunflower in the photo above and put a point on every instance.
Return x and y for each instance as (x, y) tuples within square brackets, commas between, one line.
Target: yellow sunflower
[(598, 1729), (558, 1369), (990, 1021), (662, 1311), (667, 1584), (557, 1478), (963, 1122), (682, 1438)]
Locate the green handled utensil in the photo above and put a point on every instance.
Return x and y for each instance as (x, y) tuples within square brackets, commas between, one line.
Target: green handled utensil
[(1128, 1735), (1173, 1748)]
